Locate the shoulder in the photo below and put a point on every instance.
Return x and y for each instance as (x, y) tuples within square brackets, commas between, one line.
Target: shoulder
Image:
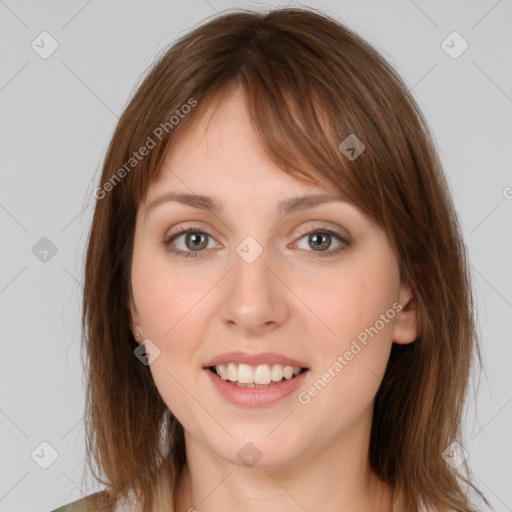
[(94, 503), (87, 504)]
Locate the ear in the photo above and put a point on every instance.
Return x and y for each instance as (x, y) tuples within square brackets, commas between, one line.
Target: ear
[(133, 322), (406, 327)]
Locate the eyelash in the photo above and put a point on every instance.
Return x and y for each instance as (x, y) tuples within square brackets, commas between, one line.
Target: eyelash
[(197, 229)]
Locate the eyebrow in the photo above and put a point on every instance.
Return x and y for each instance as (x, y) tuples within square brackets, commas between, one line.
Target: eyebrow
[(211, 204)]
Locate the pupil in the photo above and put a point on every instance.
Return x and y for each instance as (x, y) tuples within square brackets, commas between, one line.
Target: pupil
[(320, 239), (197, 238)]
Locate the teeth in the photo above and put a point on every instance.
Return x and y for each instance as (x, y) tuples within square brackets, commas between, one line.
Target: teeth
[(245, 374), (288, 372), (277, 372), (262, 374), (231, 372)]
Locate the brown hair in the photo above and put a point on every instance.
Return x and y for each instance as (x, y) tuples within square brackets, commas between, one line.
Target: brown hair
[(309, 83)]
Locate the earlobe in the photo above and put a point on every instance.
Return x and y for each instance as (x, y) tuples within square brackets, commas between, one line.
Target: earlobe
[(133, 322), (136, 333), (406, 327)]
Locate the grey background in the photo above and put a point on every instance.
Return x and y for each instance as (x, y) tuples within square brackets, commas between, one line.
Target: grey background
[(57, 115)]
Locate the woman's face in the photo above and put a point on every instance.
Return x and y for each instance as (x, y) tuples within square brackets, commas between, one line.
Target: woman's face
[(249, 279)]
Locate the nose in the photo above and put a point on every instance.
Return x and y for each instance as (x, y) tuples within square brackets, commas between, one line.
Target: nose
[(256, 299)]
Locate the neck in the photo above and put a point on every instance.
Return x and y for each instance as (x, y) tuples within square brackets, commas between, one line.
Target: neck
[(335, 479)]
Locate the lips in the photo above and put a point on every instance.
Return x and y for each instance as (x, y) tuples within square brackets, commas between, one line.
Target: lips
[(239, 357), (256, 396)]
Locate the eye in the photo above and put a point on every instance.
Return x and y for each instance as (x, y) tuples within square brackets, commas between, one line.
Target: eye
[(195, 239), (321, 238)]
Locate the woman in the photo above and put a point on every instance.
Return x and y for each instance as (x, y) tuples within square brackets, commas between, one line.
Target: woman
[(277, 304)]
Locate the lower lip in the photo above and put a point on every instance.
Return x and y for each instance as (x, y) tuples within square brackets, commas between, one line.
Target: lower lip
[(256, 397)]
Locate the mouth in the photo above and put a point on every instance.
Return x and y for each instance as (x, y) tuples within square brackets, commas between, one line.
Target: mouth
[(256, 386), (261, 376)]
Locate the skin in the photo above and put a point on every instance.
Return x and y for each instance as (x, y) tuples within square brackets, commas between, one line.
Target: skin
[(290, 300)]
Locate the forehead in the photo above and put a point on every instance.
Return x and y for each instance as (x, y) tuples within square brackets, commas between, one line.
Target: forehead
[(219, 151)]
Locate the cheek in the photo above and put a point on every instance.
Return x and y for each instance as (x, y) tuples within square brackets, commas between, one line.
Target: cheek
[(171, 305), (165, 302), (162, 295), (351, 299), (355, 307)]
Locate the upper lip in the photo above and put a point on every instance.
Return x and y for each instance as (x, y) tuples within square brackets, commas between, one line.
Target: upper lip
[(253, 359)]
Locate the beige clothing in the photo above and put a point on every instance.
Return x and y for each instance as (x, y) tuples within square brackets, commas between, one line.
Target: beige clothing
[(86, 505)]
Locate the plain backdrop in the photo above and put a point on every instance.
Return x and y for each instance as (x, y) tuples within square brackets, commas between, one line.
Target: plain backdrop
[(57, 114)]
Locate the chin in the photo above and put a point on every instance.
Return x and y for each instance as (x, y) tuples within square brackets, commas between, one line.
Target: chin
[(257, 450)]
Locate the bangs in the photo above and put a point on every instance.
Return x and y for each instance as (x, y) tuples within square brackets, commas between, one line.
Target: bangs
[(295, 129), (302, 109)]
